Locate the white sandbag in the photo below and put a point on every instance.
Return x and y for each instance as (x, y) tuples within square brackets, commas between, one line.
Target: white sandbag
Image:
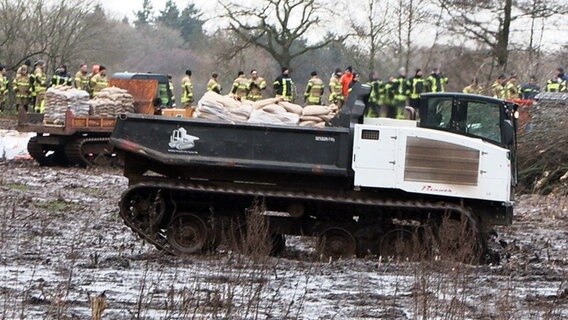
[(316, 110), (102, 95), (307, 123), (291, 107), (311, 118), (259, 116), (263, 103), (288, 118), (274, 108), (244, 111), (230, 102), (327, 117)]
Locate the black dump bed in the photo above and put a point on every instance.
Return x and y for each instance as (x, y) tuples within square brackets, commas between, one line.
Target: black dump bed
[(275, 148), (265, 153)]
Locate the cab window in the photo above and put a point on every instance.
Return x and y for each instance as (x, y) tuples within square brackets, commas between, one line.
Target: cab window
[(439, 113), (483, 120)]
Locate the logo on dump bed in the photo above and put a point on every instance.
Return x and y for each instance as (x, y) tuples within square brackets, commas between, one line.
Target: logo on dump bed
[(180, 141)]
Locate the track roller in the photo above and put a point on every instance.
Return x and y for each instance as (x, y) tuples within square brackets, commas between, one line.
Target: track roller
[(188, 233), (401, 242), (337, 242)]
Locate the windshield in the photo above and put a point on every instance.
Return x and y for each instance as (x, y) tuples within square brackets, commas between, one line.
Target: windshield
[(477, 118), (483, 120)]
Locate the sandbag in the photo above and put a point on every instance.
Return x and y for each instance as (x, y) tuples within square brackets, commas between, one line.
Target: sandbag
[(274, 108), (307, 123), (311, 118), (316, 110), (288, 118), (263, 103), (291, 107)]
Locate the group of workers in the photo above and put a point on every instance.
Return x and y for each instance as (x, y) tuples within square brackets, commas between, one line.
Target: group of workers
[(31, 83), (507, 88), (387, 98)]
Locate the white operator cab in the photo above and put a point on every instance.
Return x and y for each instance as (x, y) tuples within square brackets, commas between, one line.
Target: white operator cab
[(463, 146)]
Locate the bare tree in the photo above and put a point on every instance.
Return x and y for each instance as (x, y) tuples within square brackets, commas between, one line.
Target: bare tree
[(56, 31), (373, 33), (490, 21), (410, 15), (280, 27)]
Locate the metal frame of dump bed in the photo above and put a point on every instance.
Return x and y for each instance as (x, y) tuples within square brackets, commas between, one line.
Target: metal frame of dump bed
[(226, 150)]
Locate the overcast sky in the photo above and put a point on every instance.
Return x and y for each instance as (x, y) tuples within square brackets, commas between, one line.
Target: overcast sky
[(127, 7), (556, 35)]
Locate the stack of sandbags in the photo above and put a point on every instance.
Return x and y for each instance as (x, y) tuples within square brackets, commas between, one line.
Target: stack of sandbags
[(112, 101), (214, 106), (275, 111), (316, 116), (60, 98)]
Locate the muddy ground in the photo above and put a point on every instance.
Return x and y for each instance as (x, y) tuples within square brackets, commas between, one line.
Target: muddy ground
[(62, 244)]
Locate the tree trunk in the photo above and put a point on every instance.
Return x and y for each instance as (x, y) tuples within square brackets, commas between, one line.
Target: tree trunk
[(408, 35), (502, 46)]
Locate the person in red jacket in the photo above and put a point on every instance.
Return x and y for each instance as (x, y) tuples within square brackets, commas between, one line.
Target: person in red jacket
[(345, 80)]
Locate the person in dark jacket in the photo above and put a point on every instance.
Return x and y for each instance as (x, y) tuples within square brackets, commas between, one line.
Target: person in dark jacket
[(416, 88), (284, 86), (530, 90), (61, 77)]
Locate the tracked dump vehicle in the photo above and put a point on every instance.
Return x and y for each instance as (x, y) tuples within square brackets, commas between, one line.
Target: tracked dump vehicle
[(83, 140), (362, 186)]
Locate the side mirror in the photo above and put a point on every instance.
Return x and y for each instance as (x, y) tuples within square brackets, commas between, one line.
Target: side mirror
[(508, 132)]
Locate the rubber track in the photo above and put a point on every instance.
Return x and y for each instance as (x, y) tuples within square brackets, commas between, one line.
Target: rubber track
[(36, 151), (73, 150), (190, 187)]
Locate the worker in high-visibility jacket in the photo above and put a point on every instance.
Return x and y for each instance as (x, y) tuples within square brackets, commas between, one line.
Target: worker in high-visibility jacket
[(335, 89), (240, 86), (417, 87), (473, 87), (38, 86), (213, 84), (389, 101), (61, 77), (81, 80), (99, 81), (3, 88), (376, 98), (21, 88), (284, 86), (314, 90), (256, 86), (436, 81), (556, 84), (512, 88), (186, 90), (401, 87), (499, 87)]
